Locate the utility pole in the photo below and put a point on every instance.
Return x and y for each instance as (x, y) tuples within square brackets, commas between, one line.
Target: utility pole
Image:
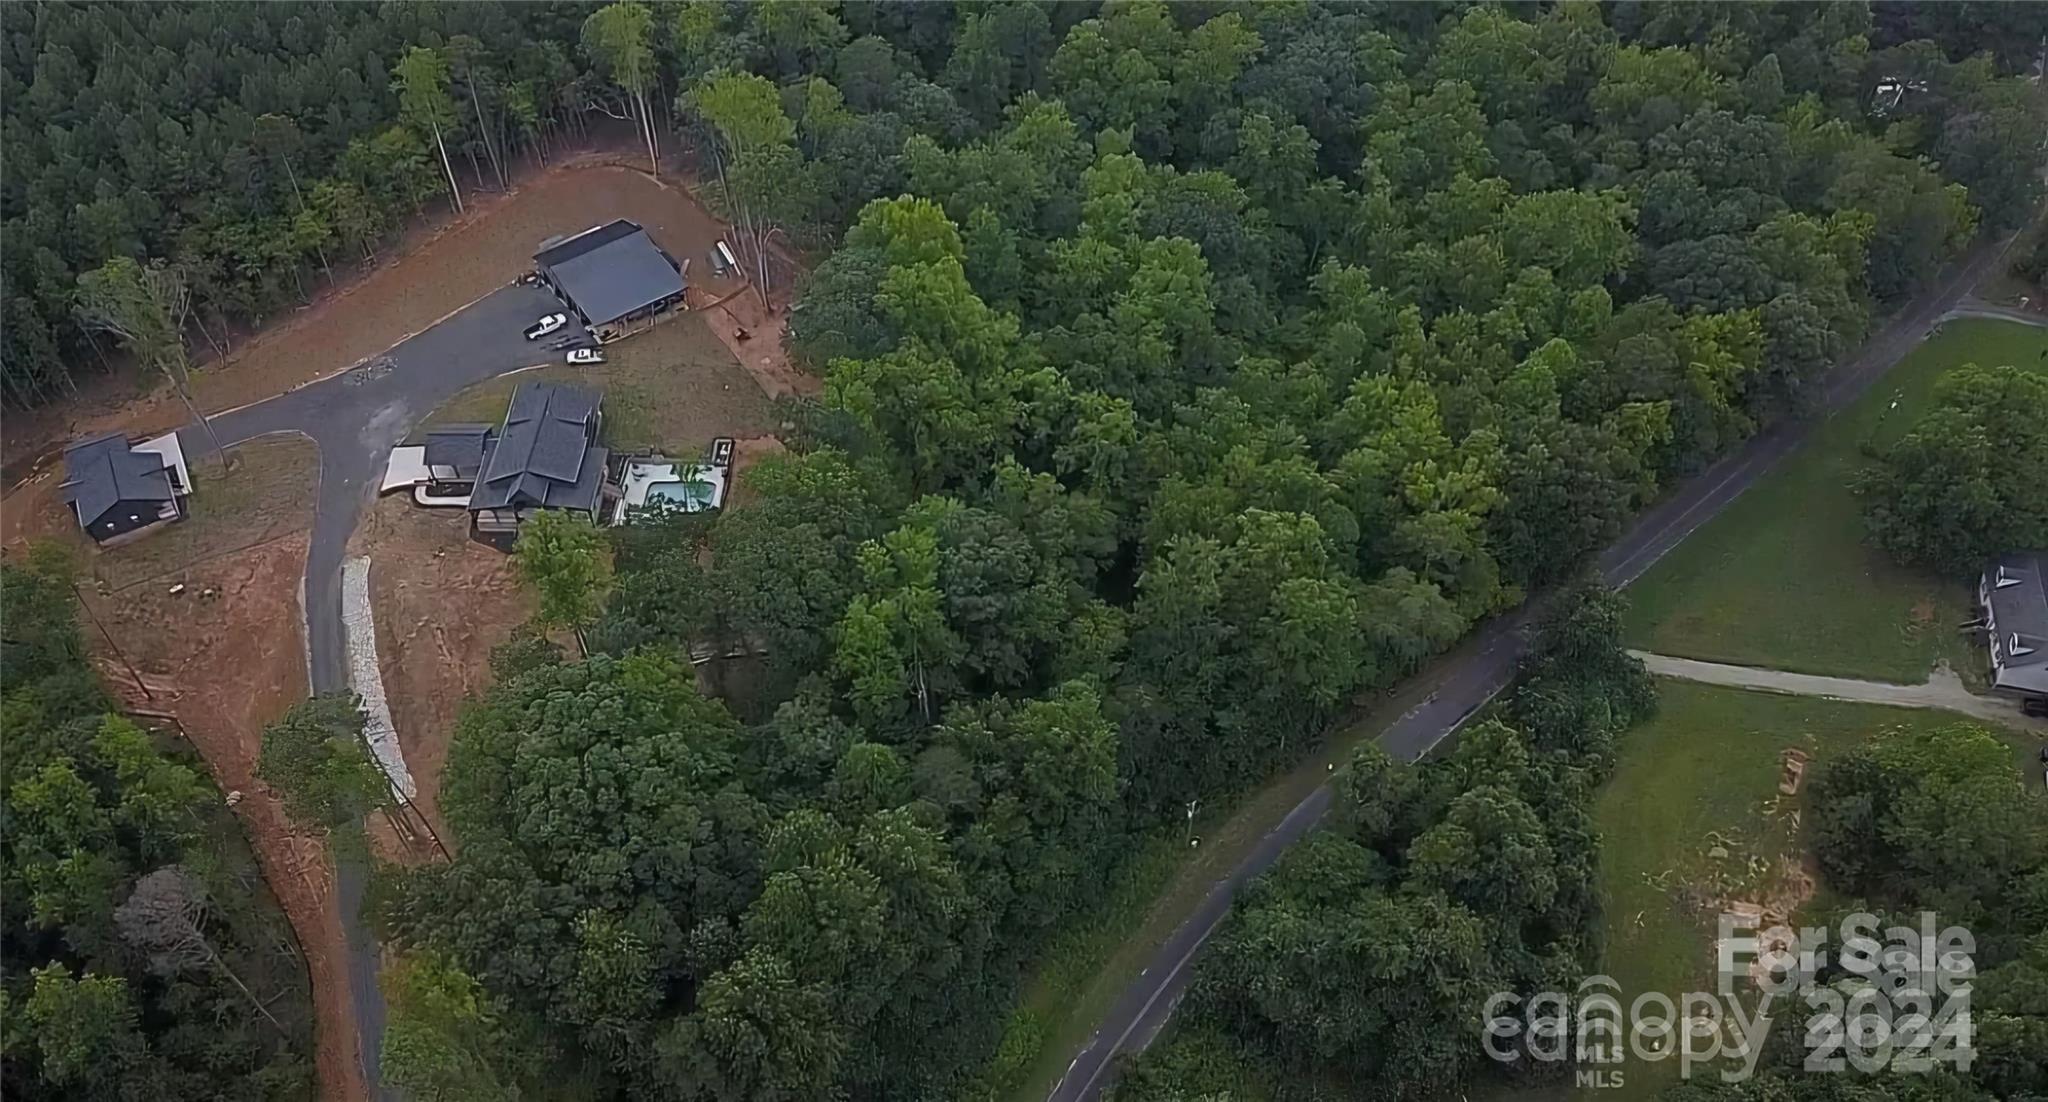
[(1192, 840), (111, 645)]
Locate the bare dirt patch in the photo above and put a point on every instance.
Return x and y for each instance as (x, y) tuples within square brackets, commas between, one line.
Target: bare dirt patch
[(442, 602), (221, 658), (223, 667), (753, 332), (442, 269)]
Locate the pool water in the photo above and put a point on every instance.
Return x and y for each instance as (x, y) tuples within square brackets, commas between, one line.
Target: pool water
[(691, 495)]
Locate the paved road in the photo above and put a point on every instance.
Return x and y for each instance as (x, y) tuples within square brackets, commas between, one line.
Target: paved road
[(1486, 661), (356, 418), (1942, 689)]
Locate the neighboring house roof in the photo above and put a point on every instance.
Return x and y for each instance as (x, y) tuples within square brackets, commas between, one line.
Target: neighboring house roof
[(544, 456), (103, 471), (2015, 591), (611, 271), (460, 447)]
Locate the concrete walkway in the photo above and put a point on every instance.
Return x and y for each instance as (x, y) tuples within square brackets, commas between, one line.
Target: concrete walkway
[(1978, 308), (1942, 689)]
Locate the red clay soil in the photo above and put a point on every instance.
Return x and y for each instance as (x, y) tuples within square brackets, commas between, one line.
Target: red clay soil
[(442, 602), (754, 334), (450, 266), (221, 666), (224, 667)]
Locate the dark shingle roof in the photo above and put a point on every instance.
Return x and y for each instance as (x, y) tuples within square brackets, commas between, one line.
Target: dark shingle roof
[(102, 471), (458, 446), (610, 271), (2019, 610), (544, 455)]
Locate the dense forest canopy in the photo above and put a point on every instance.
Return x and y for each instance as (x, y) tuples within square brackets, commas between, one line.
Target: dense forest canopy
[(259, 147), (1188, 370), (142, 956)]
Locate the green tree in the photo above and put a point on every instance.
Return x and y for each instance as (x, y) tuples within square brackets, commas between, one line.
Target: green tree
[(146, 309), (86, 1030), (1961, 486), (317, 759), (421, 81), (619, 38), (744, 112), (445, 1039), (1578, 687), (563, 558)]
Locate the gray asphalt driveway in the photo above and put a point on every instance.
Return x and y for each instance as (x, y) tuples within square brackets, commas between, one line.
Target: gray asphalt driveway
[(1942, 690), (356, 417)]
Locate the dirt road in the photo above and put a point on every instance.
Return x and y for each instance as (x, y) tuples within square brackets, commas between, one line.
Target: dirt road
[(1942, 690)]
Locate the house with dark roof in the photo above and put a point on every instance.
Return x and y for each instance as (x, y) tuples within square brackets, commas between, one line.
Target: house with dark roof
[(545, 456), (613, 276), (454, 455), (2014, 594), (118, 488)]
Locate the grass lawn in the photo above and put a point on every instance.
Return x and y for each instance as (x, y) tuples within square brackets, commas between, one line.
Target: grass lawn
[(268, 492), (1061, 1002), (1783, 579), (1703, 774), (673, 388)]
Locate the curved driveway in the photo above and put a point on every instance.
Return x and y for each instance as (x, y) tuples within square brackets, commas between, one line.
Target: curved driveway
[(356, 417), (1484, 664)]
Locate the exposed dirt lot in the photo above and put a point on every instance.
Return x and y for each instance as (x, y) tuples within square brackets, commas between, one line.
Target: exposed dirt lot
[(222, 658), (442, 602), (672, 388), (753, 333), (448, 268)]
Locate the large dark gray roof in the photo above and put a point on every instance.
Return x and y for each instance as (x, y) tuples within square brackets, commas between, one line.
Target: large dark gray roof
[(102, 471), (610, 271), (544, 457), (458, 446), (2019, 614)]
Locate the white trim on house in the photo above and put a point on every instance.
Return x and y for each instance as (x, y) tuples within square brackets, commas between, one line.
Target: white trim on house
[(173, 455)]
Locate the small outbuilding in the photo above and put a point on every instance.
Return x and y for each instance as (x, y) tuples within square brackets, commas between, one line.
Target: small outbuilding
[(2013, 593), (545, 456), (613, 276), (118, 488)]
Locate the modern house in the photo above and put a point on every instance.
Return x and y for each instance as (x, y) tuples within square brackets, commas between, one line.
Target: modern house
[(454, 456), (2014, 595), (613, 276), (545, 456), (118, 488)]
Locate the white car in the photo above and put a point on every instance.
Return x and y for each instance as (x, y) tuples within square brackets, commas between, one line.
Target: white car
[(545, 326), (586, 356)]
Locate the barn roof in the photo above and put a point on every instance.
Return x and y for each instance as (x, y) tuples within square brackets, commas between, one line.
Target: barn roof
[(610, 271)]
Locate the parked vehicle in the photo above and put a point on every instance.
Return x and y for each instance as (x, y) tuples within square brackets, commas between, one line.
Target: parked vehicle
[(545, 326), (586, 356)]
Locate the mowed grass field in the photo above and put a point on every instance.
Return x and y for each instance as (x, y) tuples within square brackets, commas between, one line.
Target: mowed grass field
[(673, 388), (1704, 774), (1783, 578)]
